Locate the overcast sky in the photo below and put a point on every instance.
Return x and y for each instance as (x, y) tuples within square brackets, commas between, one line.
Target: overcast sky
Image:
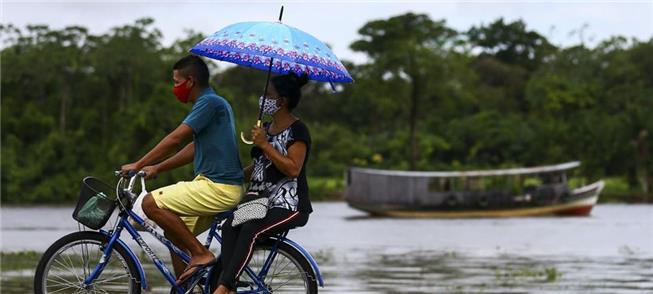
[(337, 22)]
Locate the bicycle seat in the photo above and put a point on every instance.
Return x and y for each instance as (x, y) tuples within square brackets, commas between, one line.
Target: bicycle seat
[(223, 215)]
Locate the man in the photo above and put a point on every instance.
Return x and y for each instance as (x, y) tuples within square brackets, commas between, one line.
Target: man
[(186, 209)]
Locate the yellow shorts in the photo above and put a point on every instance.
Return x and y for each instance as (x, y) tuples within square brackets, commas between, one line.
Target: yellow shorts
[(197, 201)]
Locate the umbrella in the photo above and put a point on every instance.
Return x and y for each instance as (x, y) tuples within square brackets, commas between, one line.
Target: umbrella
[(275, 47)]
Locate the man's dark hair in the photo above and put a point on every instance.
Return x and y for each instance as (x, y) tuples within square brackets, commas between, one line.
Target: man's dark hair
[(193, 65), (289, 86)]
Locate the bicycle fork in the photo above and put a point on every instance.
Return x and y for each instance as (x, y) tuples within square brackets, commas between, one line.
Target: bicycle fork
[(104, 259), (109, 246)]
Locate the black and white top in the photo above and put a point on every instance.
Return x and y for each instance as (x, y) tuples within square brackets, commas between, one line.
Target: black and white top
[(287, 193)]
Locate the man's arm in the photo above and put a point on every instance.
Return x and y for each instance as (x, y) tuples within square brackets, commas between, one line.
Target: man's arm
[(183, 157), (171, 143)]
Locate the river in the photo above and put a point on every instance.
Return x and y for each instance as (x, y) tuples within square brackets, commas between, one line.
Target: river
[(610, 251)]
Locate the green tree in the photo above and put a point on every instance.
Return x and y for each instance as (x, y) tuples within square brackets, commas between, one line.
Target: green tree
[(511, 43), (509, 53), (407, 48)]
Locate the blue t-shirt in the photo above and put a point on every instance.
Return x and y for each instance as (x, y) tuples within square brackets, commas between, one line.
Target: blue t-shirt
[(214, 135)]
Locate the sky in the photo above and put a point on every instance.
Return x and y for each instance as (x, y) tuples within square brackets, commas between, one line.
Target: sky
[(337, 22)]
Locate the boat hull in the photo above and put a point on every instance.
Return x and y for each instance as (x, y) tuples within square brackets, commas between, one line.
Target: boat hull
[(579, 202)]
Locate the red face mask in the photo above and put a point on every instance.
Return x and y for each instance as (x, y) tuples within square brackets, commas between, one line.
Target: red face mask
[(182, 92)]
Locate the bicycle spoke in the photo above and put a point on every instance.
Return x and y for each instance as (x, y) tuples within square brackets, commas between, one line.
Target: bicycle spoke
[(274, 273), (80, 273), (70, 287), (84, 263), (67, 284), (289, 278), (112, 279), (284, 267), (74, 262), (67, 268), (71, 266), (55, 277), (284, 273), (103, 291)]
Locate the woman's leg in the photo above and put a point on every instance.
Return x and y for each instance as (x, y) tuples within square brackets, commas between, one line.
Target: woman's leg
[(276, 220), (229, 239)]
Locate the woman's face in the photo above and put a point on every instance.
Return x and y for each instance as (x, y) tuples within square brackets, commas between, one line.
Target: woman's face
[(272, 94)]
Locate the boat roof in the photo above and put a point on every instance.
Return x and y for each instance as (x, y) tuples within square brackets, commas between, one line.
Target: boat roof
[(475, 173)]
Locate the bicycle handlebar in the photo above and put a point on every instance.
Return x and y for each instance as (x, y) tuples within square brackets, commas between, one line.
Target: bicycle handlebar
[(130, 174)]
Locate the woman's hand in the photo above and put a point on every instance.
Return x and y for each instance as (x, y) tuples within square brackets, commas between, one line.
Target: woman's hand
[(258, 137)]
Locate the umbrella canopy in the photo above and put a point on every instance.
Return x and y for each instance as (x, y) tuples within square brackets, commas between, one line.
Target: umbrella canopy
[(255, 44), (275, 47)]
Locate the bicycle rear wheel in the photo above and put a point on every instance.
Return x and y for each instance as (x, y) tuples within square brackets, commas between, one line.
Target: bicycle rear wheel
[(66, 264), (289, 272)]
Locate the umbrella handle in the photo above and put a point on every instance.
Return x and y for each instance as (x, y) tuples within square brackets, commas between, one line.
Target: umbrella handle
[(242, 136)]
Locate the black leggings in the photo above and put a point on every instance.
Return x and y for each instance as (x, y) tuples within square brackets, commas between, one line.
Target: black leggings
[(238, 242)]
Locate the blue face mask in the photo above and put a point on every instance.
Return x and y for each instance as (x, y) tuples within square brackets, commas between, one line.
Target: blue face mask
[(270, 106)]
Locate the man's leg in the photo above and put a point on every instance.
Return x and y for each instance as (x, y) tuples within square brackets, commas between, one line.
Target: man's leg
[(174, 226), (199, 198), (178, 264)]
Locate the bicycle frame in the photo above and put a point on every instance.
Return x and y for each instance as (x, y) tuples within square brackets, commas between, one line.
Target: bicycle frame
[(124, 223)]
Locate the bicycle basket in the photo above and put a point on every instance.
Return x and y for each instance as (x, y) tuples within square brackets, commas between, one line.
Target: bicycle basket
[(95, 205)]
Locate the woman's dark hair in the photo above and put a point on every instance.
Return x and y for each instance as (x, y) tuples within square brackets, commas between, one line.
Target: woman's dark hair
[(192, 65), (289, 86)]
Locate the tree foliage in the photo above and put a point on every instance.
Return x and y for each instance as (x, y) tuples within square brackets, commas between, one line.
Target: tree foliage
[(430, 97)]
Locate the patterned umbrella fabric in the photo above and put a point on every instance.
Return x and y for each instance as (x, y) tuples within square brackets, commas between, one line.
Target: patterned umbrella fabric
[(253, 44)]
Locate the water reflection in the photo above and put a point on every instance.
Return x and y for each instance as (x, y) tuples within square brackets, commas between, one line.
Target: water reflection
[(452, 272), (427, 271)]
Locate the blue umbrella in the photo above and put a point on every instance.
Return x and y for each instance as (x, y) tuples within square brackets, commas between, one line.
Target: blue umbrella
[(255, 44), (275, 47)]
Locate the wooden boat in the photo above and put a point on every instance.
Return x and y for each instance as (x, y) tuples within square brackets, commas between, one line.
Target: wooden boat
[(516, 192)]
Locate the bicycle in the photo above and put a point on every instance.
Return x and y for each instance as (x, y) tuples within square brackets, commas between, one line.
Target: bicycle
[(100, 262)]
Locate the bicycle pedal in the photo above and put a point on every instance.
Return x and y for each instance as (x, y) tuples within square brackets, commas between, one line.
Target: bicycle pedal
[(195, 288), (192, 291), (240, 284)]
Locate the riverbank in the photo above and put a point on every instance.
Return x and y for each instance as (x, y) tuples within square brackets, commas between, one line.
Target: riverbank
[(329, 189)]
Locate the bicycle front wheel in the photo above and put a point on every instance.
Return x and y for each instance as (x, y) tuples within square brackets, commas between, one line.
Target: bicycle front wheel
[(71, 259), (288, 272)]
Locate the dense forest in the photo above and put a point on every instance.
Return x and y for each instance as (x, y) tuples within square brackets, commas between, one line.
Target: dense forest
[(429, 98)]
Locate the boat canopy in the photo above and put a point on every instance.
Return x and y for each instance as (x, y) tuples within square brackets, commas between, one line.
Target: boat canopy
[(476, 173)]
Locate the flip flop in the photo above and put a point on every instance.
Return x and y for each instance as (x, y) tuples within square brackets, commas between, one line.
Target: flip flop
[(192, 269)]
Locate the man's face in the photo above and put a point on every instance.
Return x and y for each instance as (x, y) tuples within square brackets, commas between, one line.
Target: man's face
[(178, 78)]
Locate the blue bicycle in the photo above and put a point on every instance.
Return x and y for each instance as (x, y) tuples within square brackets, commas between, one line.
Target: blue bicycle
[(100, 262)]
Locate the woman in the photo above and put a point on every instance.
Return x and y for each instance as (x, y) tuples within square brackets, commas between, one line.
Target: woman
[(280, 154)]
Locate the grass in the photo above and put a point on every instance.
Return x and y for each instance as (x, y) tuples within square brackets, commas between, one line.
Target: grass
[(510, 276), (326, 188), (12, 261)]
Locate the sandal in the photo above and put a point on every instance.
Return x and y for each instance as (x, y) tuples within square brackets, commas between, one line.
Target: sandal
[(193, 269)]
